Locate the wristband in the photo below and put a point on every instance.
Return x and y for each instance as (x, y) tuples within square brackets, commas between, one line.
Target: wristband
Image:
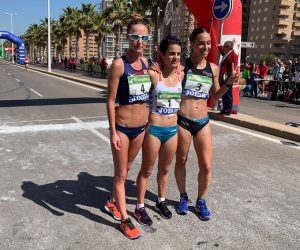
[(228, 85)]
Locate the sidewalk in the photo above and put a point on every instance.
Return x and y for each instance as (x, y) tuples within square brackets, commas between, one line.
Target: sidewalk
[(265, 123)]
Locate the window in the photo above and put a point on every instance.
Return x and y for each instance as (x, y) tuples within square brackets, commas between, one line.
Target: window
[(252, 29), (264, 28), (257, 28), (263, 37), (265, 19), (262, 46), (253, 11), (258, 19), (266, 9), (259, 10)]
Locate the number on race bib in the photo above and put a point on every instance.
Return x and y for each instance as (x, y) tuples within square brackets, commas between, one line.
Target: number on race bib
[(143, 88), (169, 101)]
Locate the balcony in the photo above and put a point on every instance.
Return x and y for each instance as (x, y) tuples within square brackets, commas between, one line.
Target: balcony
[(285, 3), (284, 13), (297, 14), (283, 22), (297, 5), (282, 32), (296, 24), (296, 33)]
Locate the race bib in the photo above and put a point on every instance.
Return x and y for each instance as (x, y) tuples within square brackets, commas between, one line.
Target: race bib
[(139, 87), (197, 86), (168, 103)]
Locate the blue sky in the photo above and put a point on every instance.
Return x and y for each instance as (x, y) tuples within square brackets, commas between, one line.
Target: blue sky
[(32, 11)]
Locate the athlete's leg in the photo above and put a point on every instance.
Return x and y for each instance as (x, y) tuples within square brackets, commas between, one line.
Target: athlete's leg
[(151, 148), (203, 147), (166, 154), (120, 158), (184, 142)]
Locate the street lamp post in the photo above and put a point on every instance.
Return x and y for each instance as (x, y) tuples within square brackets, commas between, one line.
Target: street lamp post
[(49, 39), (12, 31)]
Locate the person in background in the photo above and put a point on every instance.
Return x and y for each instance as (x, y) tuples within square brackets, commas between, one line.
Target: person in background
[(90, 66), (229, 58), (263, 70), (254, 71), (103, 66), (26, 62)]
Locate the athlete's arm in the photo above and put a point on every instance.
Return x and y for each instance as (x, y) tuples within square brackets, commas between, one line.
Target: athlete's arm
[(153, 77), (116, 71)]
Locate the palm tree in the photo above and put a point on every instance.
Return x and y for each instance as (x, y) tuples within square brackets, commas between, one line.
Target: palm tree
[(118, 15), (59, 39), (70, 20), (86, 23), (100, 28)]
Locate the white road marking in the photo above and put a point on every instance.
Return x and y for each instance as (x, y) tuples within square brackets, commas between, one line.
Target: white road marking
[(3, 70), (9, 74), (62, 119), (52, 127), (245, 115), (92, 129), (254, 134), (70, 81), (17, 80), (36, 93)]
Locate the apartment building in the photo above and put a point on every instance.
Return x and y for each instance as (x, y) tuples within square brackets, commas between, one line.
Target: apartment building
[(93, 47), (180, 24), (109, 41), (274, 25)]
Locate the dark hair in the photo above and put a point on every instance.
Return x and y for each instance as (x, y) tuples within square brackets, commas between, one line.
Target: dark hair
[(168, 40), (136, 19), (196, 32)]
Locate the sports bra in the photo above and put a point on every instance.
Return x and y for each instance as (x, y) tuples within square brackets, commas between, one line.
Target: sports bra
[(134, 85), (165, 100), (197, 82)]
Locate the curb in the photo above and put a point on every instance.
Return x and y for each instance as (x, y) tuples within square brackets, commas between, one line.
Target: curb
[(264, 126)]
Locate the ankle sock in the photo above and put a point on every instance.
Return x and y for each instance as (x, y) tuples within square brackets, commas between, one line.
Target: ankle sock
[(139, 206), (160, 199)]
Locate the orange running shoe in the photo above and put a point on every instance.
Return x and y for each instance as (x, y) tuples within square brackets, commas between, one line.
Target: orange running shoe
[(111, 208), (130, 230)]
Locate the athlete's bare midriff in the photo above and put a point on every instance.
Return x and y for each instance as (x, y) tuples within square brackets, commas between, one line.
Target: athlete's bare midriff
[(163, 121), (132, 116), (193, 108)]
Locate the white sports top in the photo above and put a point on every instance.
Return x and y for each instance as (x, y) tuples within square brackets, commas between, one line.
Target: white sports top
[(165, 100)]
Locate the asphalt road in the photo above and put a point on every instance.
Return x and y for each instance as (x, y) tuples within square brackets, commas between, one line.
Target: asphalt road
[(57, 169)]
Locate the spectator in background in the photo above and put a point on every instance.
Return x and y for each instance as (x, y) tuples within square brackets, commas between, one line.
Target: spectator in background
[(263, 70), (71, 63), (287, 75), (229, 58), (294, 66), (103, 66), (65, 62), (276, 68), (90, 66), (254, 76), (74, 64), (297, 74)]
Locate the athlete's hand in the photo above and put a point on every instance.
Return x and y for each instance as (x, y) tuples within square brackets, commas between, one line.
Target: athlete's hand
[(115, 141), (234, 75), (155, 67), (179, 69)]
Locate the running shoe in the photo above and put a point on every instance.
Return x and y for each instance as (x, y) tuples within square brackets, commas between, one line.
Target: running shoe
[(130, 230), (111, 208), (142, 217), (183, 206), (162, 208), (202, 210)]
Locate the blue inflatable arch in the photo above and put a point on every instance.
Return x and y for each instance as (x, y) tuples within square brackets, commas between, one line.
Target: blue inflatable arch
[(16, 40)]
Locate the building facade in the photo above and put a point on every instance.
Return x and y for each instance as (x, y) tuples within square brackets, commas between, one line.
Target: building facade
[(274, 25), (182, 25)]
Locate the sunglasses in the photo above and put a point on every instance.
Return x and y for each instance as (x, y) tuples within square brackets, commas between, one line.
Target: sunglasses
[(135, 37)]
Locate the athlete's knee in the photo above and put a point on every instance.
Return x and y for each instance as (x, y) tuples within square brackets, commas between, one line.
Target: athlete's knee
[(164, 170), (205, 168), (120, 178), (146, 172), (181, 161)]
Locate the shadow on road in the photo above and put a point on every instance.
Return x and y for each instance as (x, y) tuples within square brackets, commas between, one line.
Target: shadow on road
[(54, 101), (72, 195)]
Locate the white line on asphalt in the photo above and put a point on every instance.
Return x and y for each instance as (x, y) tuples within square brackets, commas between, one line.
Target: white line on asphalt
[(91, 129), (75, 126), (245, 115), (9, 74), (291, 145), (62, 119), (3, 70), (36, 93), (17, 80), (70, 81)]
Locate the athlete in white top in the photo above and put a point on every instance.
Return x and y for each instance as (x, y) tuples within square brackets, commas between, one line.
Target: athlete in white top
[(161, 136)]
